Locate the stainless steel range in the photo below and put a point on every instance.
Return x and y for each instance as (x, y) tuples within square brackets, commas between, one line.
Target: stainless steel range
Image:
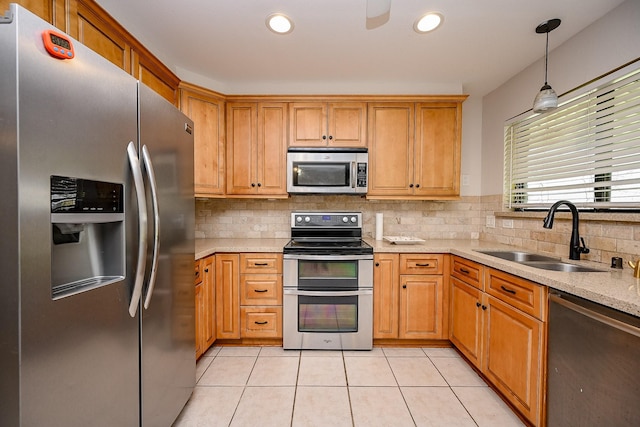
[(328, 283)]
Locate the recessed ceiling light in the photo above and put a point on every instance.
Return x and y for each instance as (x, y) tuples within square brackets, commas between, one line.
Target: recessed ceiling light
[(428, 22), (279, 23)]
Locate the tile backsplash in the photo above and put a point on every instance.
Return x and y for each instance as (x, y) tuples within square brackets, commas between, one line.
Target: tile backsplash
[(460, 219)]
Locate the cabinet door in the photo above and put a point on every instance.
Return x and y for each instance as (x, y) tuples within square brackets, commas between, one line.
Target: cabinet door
[(272, 149), (421, 307), (242, 148), (154, 74), (385, 295), (199, 320), (390, 133), (437, 149), (467, 316), (61, 13), (207, 112), (347, 123), (227, 296), (208, 283), (513, 356), (308, 124), (102, 37)]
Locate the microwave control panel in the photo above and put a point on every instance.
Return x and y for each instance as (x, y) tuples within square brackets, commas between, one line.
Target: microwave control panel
[(362, 175)]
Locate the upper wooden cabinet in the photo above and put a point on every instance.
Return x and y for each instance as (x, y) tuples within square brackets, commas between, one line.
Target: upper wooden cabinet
[(334, 124), (206, 109), (92, 26), (99, 32), (414, 150), (61, 13), (256, 149)]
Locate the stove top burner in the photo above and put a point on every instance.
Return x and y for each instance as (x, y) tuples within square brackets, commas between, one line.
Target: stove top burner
[(330, 233)]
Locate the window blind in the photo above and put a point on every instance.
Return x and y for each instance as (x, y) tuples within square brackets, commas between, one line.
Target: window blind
[(586, 151)]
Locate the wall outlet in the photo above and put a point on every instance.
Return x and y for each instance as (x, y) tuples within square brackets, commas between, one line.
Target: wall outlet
[(507, 223), (465, 180), (491, 221)]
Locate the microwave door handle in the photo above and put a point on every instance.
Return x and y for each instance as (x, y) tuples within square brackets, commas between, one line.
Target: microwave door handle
[(353, 174), (138, 183), (146, 158)]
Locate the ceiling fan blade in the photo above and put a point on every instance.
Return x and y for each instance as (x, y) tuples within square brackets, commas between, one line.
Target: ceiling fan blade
[(378, 13)]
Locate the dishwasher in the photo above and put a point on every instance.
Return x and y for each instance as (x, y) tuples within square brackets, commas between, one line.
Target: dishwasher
[(593, 364)]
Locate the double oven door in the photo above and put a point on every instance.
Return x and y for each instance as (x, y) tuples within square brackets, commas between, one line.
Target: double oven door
[(328, 302)]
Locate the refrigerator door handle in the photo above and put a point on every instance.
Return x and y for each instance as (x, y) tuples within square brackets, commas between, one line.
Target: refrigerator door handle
[(138, 183), (146, 158)]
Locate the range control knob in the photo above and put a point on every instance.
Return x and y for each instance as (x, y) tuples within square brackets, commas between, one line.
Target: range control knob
[(354, 219), (307, 219), (298, 219), (345, 219)]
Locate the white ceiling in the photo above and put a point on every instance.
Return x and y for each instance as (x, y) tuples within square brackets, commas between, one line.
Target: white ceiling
[(225, 43)]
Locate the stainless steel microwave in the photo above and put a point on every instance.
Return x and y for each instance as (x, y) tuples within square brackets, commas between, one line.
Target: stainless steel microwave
[(327, 170)]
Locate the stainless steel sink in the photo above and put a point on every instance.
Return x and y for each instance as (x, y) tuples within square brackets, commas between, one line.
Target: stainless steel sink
[(540, 261), (519, 256), (562, 266)]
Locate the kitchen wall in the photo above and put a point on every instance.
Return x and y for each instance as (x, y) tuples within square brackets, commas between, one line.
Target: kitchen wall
[(606, 44), (463, 219), (231, 218)]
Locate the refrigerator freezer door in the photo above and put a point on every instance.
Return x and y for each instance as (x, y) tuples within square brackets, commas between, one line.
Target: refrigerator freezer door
[(76, 359), (168, 325)]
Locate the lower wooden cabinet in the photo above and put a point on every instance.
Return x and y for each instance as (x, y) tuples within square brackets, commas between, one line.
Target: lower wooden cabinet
[(501, 331), (227, 296), (205, 304), (409, 297), (248, 296)]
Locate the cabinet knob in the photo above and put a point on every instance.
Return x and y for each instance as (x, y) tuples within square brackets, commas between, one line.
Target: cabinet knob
[(410, 185), (484, 307), (330, 137), (404, 286), (478, 304), (259, 185), (324, 137), (377, 265), (206, 270), (417, 185), (252, 184)]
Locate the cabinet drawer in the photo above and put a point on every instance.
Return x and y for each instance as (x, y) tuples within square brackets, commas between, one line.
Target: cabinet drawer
[(198, 276), (421, 263), (519, 293), (261, 289), (468, 271), (261, 263), (261, 322)]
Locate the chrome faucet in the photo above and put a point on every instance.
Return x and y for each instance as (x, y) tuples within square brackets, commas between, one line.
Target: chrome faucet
[(575, 246)]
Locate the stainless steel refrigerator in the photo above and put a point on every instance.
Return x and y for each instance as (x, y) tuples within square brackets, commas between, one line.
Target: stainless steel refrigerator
[(96, 262)]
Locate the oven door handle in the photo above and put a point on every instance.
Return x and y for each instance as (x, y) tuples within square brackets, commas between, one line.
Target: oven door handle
[(368, 291), (328, 257)]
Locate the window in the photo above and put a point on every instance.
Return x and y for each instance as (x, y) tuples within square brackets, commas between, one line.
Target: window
[(586, 151)]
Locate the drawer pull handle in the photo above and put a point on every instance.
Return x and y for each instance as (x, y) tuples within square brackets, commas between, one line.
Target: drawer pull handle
[(261, 323), (260, 290), (464, 270), (511, 291), (423, 265), (260, 264)]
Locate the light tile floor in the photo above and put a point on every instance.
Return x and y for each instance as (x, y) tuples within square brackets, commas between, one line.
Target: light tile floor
[(269, 386)]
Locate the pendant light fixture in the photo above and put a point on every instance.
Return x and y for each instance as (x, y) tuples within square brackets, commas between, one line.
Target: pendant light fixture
[(546, 99)]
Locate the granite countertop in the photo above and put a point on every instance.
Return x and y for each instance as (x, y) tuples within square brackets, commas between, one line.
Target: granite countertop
[(613, 288)]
